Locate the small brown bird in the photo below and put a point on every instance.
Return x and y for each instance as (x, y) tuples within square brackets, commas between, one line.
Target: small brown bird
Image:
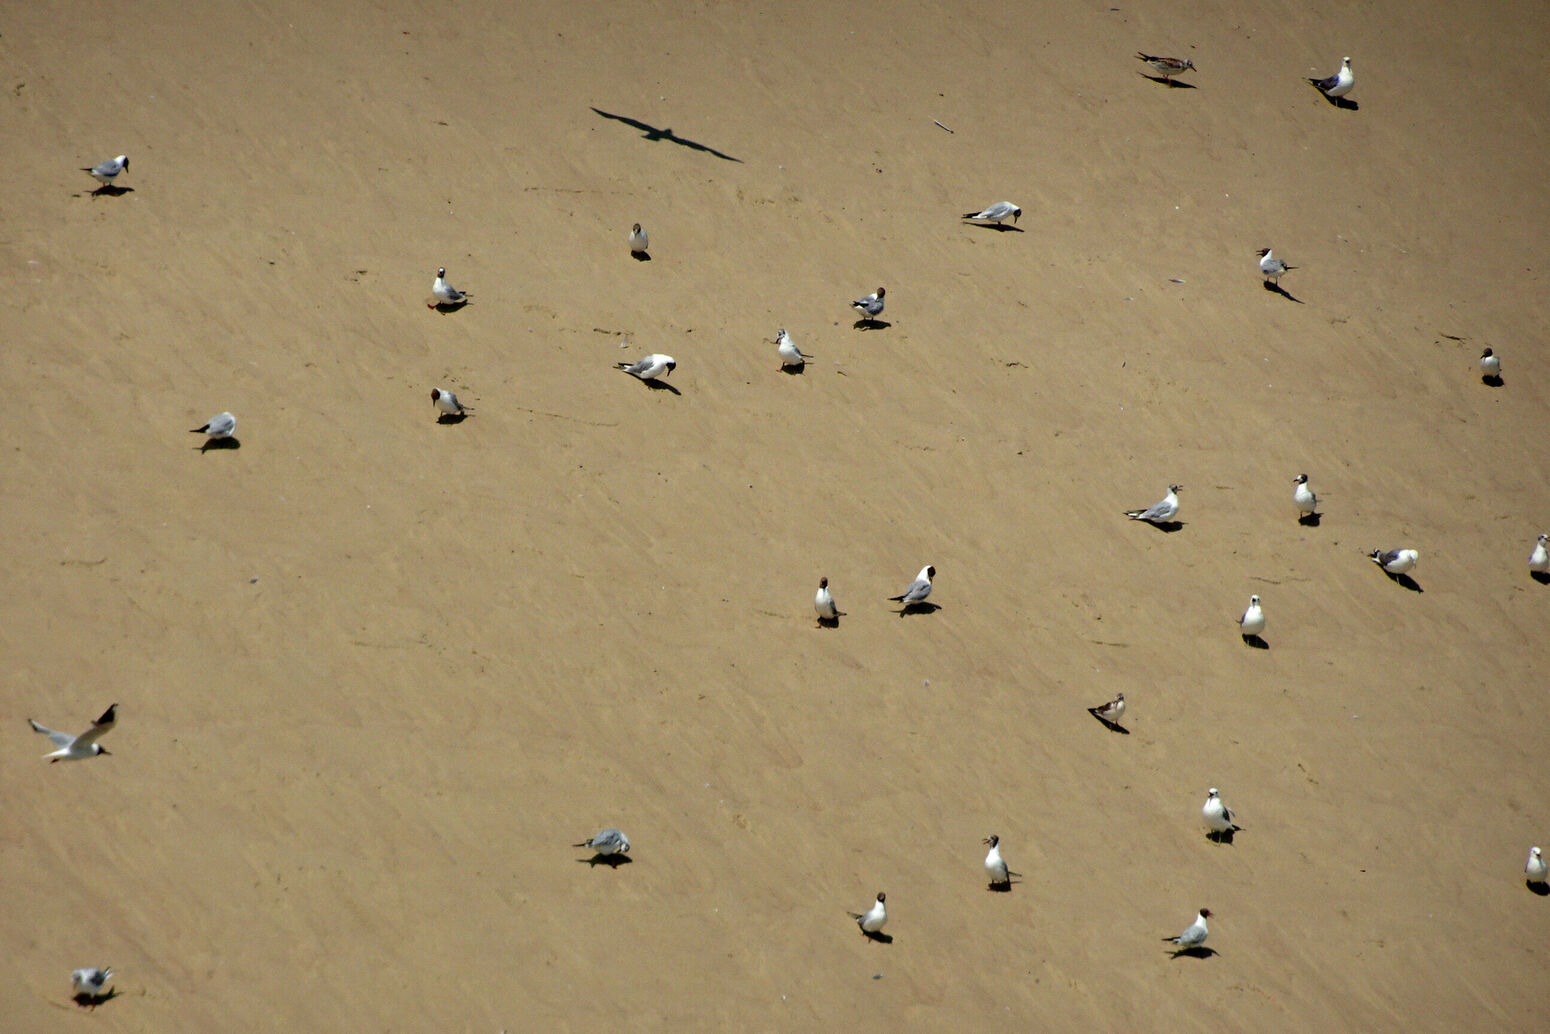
[(1167, 67)]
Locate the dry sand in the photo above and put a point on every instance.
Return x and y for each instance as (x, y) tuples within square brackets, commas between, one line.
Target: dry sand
[(375, 674)]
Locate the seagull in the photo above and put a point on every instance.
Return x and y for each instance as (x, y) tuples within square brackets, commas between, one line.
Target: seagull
[(1534, 869), (1252, 623), (790, 354), (651, 367), (1111, 712), (638, 240), (447, 402), (874, 918), (1539, 560), (997, 213), (919, 589), (90, 982), (1490, 364), (443, 293), (823, 602), (222, 425), (1303, 496), (75, 748), (1167, 67), (995, 865), (106, 172), (1217, 816), (1339, 84), (1272, 267), (1195, 936), (872, 305), (1395, 561), (608, 842), (1159, 512)]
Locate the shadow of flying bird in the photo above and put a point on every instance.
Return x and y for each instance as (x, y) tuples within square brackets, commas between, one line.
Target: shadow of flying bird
[(653, 133)]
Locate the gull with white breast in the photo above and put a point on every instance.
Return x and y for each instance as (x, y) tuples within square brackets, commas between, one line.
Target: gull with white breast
[(1534, 870), (77, 748), (1395, 561), (823, 603), (106, 173), (873, 919), (1338, 85), (448, 404), (609, 844), (1272, 267), (1166, 68), (639, 242), (443, 293), (790, 354), (1217, 817), (649, 368), (1194, 936), (221, 425), (1490, 365), (1110, 712), (1252, 623), (997, 213), (1161, 512), (1539, 559), (871, 306), (995, 865), (1303, 498), (88, 984), (919, 589)]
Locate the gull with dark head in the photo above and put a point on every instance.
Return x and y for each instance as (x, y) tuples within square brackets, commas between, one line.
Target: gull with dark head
[(77, 748), (871, 306), (443, 293), (1110, 712), (823, 603), (995, 865), (1490, 365), (639, 242), (1195, 935), (997, 213), (1271, 266), (108, 171), (1218, 818), (1160, 512), (790, 354), (650, 367), (1303, 497), (873, 919), (919, 589), (1166, 67), (448, 404)]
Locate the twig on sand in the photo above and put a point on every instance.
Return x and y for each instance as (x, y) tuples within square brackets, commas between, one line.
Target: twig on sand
[(940, 125)]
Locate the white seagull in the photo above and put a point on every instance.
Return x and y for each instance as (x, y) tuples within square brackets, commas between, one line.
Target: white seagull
[(874, 918), (1395, 561), (1252, 623), (106, 172), (790, 354), (91, 981), (997, 213), (75, 748), (1539, 560), (447, 402), (222, 425), (919, 589), (1303, 497), (1490, 364), (638, 240), (651, 367), (607, 842), (1534, 869), (1160, 512), (1339, 84), (1218, 817), (823, 602), (1195, 936), (1111, 712), (443, 293), (1167, 67), (995, 865), (1272, 267), (872, 305)]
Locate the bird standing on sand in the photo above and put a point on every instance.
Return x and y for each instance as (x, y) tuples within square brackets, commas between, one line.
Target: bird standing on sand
[(871, 306), (1337, 85), (1490, 365), (77, 748), (1218, 817), (1303, 497), (1272, 267), (1110, 712), (651, 367), (995, 865), (1539, 560), (874, 918), (106, 172), (919, 589), (443, 293), (790, 354), (997, 213), (1252, 623), (89, 983), (1395, 561), (823, 602), (1167, 67), (1160, 512), (1195, 936), (222, 425), (1534, 870), (607, 843), (638, 240), (447, 402)]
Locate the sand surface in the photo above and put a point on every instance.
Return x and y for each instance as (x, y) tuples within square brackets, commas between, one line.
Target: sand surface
[(376, 674)]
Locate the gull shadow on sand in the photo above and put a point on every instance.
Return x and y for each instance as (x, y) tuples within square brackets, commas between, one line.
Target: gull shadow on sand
[(918, 608), (108, 190), (1493, 380), (1167, 527), (613, 861), (1111, 726), (656, 385), (446, 307), (878, 936), (833, 622), (1003, 888), (87, 1000), (220, 443), (1224, 837), (1198, 952), (1407, 581), (451, 418), (1540, 576), (1256, 642), (794, 371), (651, 132), (868, 323), (1283, 292), (999, 227), (1171, 83), (1310, 520), (640, 256), (1340, 102), (1542, 889)]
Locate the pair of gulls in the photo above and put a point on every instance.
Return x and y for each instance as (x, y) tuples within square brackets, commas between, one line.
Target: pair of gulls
[(1334, 87), (920, 588), (875, 918), (78, 748)]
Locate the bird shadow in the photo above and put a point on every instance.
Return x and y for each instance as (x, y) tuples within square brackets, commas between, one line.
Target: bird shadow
[(1405, 580), (1310, 520), (87, 1000), (1170, 83), (1283, 292), (641, 256), (1340, 102), (451, 418), (656, 385), (833, 622), (1002, 888), (1541, 577), (446, 307), (796, 370), (868, 323), (918, 608), (1111, 726), (220, 443), (1493, 380), (1541, 889), (1197, 952), (1224, 837), (651, 132), (998, 227), (109, 190), (613, 861), (878, 936), (1256, 642), (1167, 527)]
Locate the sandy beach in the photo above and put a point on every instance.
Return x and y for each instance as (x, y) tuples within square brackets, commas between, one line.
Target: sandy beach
[(376, 673)]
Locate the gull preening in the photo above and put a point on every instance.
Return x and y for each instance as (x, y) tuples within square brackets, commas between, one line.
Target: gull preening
[(823, 603), (1337, 85), (1160, 512), (1395, 561), (997, 213), (1252, 623), (995, 865), (650, 367), (1195, 935), (106, 172), (222, 425), (919, 589), (1534, 870), (76, 748), (607, 843), (1539, 560), (1110, 712), (873, 919), (871, 306), (1218, 817), (1490, 365), (790, 354), (1304, 498), (447, 402), (90, 982), (639, 242), (1271, 266), (443, 293), (1167, 67)]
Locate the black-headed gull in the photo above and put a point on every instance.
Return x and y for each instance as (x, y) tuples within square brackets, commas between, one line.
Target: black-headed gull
[(76, 748), (443, 293), (607, 842), (1272, 267), (1395, 561), (1534, 870), (995, 865), (106, 172), (823, 602), (1160, 512), (1110, 712), (90, 981), (1490, 365), (1303, 497), (871, 306), (1195, 936), (997, 213), (1337, 85), (1167, 67), (447, 402), (1252, 623), (650, 367), (790, 354), (1539, 559), (919, 589), (1218, 817), (874, 918), (639, 242), (222, 425)]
